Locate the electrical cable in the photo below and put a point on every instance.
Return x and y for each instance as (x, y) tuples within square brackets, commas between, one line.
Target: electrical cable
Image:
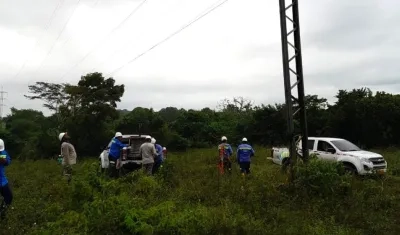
[(93, 7), (168, 37), (112, 31), (45, 30), (95, 4), (121, 48), (59, 35)]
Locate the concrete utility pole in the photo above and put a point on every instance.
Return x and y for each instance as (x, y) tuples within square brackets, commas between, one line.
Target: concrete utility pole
[(298, 73), (2, 98)]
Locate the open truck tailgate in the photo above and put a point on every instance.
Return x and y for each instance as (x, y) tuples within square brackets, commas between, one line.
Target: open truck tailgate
[(134, 143)]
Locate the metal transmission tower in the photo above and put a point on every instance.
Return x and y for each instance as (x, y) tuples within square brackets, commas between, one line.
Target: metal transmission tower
[(2, 98), (298, 73)]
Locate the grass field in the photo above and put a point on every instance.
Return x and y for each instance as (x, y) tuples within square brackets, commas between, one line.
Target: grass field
[(188, 196)]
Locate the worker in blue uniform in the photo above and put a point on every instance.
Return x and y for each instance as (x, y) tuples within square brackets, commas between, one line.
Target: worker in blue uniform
[(244, 154)]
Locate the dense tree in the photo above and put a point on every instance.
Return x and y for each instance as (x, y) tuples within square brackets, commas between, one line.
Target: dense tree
[(53, 95), (91, 111), (88, 112)]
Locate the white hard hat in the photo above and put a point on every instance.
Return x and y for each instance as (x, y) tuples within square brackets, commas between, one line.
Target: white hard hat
[(61, 135), (244, 139), (153, 141), (118, 134), (164, 148), (2, 146), (224, 138)]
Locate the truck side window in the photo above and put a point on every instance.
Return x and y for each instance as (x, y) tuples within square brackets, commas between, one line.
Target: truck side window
[(125, 141), (310, 144), (324, 146)]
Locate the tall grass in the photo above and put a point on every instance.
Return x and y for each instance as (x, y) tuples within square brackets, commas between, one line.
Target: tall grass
[(188, 196)]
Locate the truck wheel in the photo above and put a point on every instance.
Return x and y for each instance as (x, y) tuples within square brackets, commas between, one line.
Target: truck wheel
[(349, 169), (285, 162), (285, 165)]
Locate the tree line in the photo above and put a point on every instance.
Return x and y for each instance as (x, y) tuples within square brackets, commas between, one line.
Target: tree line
[(88, 112)]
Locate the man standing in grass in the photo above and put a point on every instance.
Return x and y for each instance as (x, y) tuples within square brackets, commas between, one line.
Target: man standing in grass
[(147, 151), (159, 158), (244, 154), (115, 153), (68, 154), (225, 154), (5, 190)]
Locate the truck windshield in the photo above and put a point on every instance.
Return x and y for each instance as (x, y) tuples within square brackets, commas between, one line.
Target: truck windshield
[(345, 146)]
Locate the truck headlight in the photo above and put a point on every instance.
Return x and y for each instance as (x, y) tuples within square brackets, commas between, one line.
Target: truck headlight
[(365, 160)]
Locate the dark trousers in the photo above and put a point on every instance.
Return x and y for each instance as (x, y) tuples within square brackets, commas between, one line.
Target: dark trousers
[(7, 195), (245, 167), (112, 167), (156, 166), (227, 163)]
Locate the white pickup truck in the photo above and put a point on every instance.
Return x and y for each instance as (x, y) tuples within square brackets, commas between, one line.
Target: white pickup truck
[(353, 158), (132, 160)]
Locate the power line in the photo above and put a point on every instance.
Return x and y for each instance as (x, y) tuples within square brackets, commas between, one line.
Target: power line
[(121, 48), (95, 4), (168, 37), (112, 31), (45, 30), (93, 7), (59, 35)]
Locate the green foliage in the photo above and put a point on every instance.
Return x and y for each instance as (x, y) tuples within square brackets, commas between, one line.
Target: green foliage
[(88, 112), (188, 196), (323, 179)]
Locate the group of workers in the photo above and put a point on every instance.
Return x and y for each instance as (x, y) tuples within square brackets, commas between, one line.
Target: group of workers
[(244, 154), (152, 154), (152, 158)]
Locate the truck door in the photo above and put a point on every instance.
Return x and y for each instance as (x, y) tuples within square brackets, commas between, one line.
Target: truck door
[(310, 145), (104, 161), (107, 150), (325, 151)]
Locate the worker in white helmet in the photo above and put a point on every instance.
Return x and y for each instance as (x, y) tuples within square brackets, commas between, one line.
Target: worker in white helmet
[(244, 154), (68, 155), (5, 190), (225, 153), (148, 152), (158, 160), (115, 152)]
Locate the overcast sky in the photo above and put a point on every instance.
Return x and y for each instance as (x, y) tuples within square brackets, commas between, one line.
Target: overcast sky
[(233, 51)]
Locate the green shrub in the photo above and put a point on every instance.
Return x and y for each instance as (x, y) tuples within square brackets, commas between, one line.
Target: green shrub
[(189, 196), (321, 179)]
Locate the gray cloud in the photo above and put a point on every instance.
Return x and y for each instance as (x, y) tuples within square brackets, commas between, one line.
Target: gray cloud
[(355, 25), (346, 44)]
